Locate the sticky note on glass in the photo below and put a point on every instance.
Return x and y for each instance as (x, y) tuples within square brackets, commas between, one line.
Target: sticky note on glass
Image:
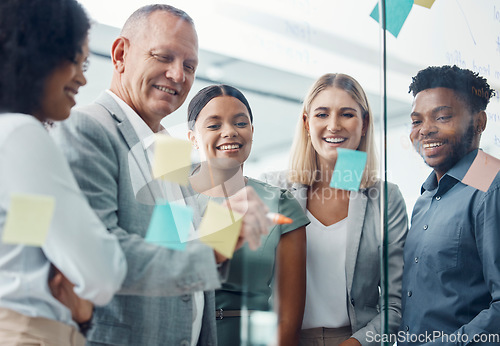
[(170, 225), (482, 171), (172, 159), (424, 3), (220, 228), (396, 12), (28, 219), (349, 169)]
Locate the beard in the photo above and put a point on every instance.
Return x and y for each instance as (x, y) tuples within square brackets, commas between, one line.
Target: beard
[(459, 149)]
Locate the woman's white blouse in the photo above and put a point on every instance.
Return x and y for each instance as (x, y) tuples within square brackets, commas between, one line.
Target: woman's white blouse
[(326, 292), (77, 242)]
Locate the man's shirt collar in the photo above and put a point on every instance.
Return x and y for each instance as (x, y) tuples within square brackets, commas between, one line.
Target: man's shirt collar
[(143, 131), (454, 175)]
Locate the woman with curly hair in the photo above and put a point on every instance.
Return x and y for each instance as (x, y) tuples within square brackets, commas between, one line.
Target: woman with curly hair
[(47, 292)]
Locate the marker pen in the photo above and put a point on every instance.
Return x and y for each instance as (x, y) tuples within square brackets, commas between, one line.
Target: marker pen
[(279, 219)]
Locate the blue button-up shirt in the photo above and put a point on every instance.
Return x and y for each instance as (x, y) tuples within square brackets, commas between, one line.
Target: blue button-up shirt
[(451, 280)]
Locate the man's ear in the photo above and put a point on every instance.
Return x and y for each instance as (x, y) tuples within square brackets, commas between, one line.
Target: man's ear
[(192, 138), (118, 53), (480, 122)]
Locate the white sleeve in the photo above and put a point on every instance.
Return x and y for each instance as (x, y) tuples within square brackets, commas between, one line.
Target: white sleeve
[(78, 244)]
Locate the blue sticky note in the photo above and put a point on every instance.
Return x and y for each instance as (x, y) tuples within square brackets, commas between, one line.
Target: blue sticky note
[(349, 169), (396, 12), (169, 224)]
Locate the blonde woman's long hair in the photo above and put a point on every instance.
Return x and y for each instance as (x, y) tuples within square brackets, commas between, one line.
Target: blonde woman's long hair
[(304, 165)]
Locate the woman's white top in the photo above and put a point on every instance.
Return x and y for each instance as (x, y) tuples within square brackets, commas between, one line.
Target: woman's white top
[(326, 290), (77, 242)]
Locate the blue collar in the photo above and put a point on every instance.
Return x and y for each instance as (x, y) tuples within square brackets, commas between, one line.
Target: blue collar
[(454, 175)]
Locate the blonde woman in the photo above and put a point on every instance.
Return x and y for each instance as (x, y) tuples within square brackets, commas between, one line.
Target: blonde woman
[(343, 300)]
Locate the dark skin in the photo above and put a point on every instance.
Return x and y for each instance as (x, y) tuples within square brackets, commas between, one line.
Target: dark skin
[(63, 290), (291, 285), (444, 129)]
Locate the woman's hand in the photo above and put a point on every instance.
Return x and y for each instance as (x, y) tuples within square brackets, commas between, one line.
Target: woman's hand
[(62, 290)]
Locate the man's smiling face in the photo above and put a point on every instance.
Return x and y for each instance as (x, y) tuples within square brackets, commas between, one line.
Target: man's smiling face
[(443, 130), (159, 65)]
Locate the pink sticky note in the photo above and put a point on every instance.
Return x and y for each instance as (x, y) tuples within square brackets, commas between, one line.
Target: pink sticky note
[(482, 172)]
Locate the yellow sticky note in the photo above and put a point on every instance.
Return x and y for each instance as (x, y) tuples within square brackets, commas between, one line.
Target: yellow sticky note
[(172, 159), (424, 3), (220, 228), (28, 219)]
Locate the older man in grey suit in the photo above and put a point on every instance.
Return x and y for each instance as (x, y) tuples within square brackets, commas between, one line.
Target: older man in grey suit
[(109, 148)]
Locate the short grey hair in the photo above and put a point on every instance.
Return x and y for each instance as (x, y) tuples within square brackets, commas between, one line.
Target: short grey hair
[(144, 12)]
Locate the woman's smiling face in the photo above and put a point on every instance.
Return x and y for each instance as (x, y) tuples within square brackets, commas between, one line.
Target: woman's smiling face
[(61, 86), (335, 120), (223, 130)]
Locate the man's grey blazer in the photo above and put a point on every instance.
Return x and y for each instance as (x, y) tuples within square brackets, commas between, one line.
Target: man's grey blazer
[(155, 305), (362, 264)]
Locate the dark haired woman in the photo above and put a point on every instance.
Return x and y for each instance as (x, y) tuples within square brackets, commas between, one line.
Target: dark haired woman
[(43, 52), (220, 122)]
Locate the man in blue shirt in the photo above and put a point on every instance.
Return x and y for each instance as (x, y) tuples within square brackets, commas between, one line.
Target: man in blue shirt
[(451, 280)]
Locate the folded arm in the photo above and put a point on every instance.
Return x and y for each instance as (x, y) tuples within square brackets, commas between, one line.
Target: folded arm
[(99, 161)]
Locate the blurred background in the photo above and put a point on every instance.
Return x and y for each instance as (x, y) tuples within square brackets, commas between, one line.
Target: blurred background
[(273, 50)]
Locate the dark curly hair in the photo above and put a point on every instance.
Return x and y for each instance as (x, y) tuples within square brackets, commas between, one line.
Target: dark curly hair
[(35, 37), (210, 92), (474, 89)]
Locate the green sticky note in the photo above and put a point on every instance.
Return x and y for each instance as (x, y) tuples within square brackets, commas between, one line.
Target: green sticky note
[(28, 219), (169, 226), (396, 12), (349, 169)]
